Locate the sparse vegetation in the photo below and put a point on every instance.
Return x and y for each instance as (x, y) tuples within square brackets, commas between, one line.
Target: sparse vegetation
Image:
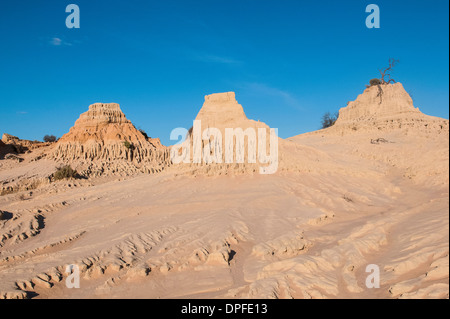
[(50, 138), (379, 140), (385, 73), (347, 199), (328, 119), (65, 172), (143, 133), (374, 82), (128, 145)]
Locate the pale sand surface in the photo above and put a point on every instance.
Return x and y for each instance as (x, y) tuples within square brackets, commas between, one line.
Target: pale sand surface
[(296, 235)]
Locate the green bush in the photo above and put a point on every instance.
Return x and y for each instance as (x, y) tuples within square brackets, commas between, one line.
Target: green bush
[(65, 172), (375, 82), (50, 138), (329, 120), (128, 145)]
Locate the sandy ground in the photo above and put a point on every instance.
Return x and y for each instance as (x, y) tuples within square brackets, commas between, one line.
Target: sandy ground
[(294, 234)]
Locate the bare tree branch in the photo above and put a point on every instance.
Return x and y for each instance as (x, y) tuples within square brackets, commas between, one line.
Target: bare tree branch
[(387, 72)]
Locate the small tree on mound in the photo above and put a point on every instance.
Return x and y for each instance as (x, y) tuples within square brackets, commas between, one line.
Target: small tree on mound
[(387, 72), (329, 120), (65, 172), (50, 138)]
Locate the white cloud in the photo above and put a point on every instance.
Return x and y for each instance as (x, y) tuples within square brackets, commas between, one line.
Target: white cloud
[(212, 58), (58, 42), (262, 89), (219, 59)]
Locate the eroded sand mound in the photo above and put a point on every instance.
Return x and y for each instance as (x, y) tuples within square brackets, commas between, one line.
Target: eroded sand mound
[(383, 108), (390, 131), (213, 150), (13, 145), (104, 141)]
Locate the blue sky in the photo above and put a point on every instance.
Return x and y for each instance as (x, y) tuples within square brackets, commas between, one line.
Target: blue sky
[(287, 61)]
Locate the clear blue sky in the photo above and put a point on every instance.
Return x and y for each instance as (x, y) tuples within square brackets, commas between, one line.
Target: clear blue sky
[(287, 61)]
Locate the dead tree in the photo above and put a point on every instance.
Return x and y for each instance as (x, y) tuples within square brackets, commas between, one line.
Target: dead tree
[(387, 72)]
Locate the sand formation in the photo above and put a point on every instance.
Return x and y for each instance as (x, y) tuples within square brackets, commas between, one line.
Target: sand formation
[(103, 136), (379, 110), (383, 124), (386, 107), (103, 141), (212, 150), (13, 146)]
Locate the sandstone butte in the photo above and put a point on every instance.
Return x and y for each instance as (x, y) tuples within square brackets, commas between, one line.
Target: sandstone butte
[(413, 142), (221, 111), (104, 136), (386, 107)]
